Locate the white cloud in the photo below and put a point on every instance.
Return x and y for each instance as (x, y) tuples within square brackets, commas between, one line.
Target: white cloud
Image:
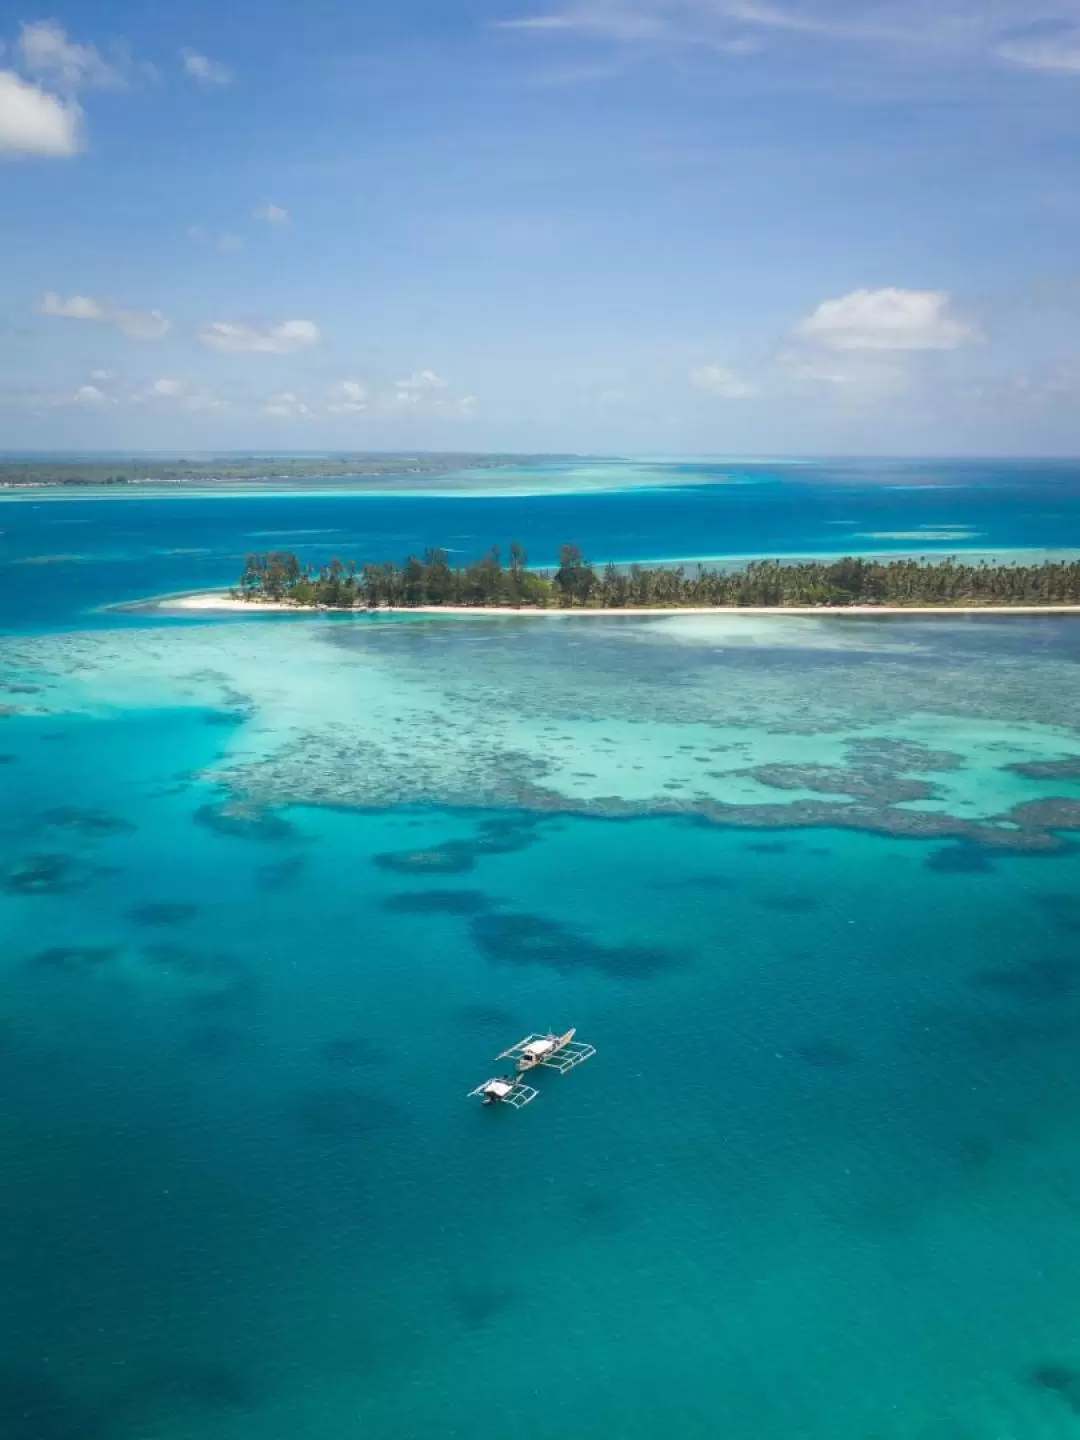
[(204, 70), (286, 404), (349, 398), (857, 376), (79, 307), (92, 396), (103, 375), (136, 324), (233, 338), (720, 381), (421, 382), (1038, 34), (230, 242), (167, 388), (34, 122), (46, 52), (1046, 54), (888, 319), (197, 235), (272, 214)]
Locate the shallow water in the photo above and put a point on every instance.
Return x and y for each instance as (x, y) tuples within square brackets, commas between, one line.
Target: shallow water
[(71, 554), (275, 890)]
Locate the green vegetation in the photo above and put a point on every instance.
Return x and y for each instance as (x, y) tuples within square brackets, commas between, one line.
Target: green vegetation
[(431, 580), (233, 469)]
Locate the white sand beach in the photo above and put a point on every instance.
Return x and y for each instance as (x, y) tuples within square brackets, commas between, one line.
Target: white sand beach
[(222, 601)]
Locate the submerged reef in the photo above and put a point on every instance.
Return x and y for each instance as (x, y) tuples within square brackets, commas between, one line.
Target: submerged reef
[(518, 939), (49, 875)]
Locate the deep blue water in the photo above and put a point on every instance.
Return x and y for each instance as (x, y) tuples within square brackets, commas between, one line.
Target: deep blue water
[(818, 1183), (74, 554)]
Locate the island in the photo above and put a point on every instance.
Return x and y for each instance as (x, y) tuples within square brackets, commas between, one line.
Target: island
[(249, 470), (278, 579)]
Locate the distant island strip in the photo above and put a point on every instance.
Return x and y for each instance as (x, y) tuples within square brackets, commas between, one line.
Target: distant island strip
[(17, 474), (278, 579)]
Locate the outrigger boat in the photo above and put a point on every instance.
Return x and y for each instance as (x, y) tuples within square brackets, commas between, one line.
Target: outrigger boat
[(505, 1090), (554, 1052)]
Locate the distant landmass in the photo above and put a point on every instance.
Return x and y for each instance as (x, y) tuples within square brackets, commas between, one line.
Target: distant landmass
[(237, 469)]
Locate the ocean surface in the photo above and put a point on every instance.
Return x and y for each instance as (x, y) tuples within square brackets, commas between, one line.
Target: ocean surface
[(275, 890)]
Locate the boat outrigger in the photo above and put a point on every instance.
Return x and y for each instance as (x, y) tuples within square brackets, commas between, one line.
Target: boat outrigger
[(554, 1052)]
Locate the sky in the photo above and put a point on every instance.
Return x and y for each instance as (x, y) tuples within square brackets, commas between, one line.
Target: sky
[(611, 226)]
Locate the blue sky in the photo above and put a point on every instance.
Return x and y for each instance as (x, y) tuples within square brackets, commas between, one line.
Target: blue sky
[(667, 226)]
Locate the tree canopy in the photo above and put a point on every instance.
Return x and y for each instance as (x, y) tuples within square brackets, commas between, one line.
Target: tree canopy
[(430, 579)]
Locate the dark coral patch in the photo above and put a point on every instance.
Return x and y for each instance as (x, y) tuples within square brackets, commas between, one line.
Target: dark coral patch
[(345, 1114), (597, 1210), (191, 1385), (281, 873), (903, 755), (959, 859), (34, 1407), (227, 719), (351, 1052), (242, 821), (1064, 910), (446, 860), (46, 875), (216, 1042), (477, 1304), (791, 904), (1064, 769), (826, 1054), (74, 957), (87, 822), (438, 902), (1060, 1380), (1039, 981), (489, 1016), (163, 912), (863, 783), (519, 939)]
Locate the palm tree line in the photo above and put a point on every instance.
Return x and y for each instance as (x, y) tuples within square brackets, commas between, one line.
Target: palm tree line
[(430, 579)]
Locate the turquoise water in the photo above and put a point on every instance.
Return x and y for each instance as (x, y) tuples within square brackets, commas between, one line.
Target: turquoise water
[(68, 554), (275, 892)]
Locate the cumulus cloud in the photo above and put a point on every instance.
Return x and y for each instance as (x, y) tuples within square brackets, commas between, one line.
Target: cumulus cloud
[(136, 324), (35, 122), (91, 395), (167, 387), (46, 52), (888, 319), (287, 404), (349, 398), (204, 70), (419, 383), (236, 338), (720, 381), (271, 214), (230, 242)]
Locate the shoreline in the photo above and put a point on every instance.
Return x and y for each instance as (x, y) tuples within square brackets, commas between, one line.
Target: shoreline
[(220, 602)]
